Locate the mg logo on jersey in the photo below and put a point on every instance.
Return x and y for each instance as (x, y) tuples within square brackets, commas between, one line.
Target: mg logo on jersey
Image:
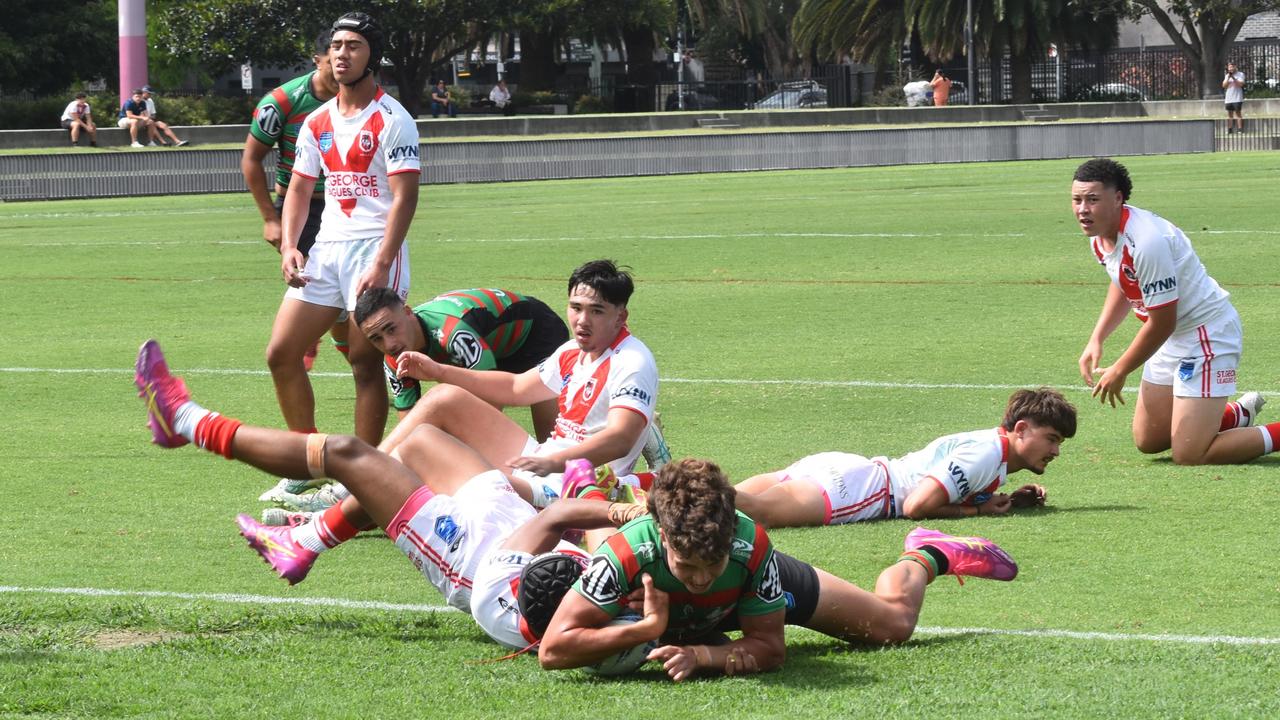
[(589, 390), (366, 141), (466, 348), (600, 582), (269, 120), (961, 480), (326, 141)]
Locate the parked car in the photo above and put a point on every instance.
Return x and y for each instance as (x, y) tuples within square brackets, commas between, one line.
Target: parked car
[(799, 94), (693, 100), (1115, 92)]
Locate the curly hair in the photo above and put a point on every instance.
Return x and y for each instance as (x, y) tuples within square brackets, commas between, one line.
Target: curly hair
[(1042, 406), (1108, 172), (693, 504)]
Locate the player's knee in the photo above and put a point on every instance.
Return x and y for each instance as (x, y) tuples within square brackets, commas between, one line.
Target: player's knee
[(366, 373), (281, 356), (1184, 456), (345, 449), (1149, 443)]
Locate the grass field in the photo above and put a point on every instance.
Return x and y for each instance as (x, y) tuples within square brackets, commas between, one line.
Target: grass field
[(867, 310)]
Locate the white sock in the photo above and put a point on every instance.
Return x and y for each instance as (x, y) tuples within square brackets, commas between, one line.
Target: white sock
[(187, 417), (1266, 440), (308, 535), (339, 491)]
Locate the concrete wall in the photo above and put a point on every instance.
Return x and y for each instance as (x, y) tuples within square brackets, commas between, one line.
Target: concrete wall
[(80, 175)]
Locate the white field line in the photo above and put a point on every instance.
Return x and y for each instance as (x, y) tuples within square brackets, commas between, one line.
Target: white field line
[(571, 238), (881, 384), (344, 604)]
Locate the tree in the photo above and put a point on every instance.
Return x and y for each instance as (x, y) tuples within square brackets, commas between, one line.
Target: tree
[(1210, 28), (419, 34), (764, 27), (47, 45)]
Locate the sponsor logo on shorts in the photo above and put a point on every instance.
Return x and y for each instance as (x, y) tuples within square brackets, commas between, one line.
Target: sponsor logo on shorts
[(600, 581), (1186, 370), (325, 140), (269, 120), (632, 391), (959, 477), (446, 528), (404, 152), (1225, 377), (510, 558), (366, 141), (508, 607), (466, 348), (771, 584)]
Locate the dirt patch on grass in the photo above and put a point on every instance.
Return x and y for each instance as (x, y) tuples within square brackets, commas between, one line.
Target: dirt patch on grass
[(120, 639)]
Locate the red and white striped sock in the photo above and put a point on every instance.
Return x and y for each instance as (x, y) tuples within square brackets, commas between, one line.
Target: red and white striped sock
[(327, 529), (1270, 437)]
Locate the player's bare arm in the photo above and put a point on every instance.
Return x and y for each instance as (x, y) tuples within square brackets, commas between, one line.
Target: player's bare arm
[(579, 633), (404, 203), (251, 168), (1114, 310), (1159, 326), (297, 204), (541, 534), (497, 388), (930, 500), (620, 434), (761, 648)]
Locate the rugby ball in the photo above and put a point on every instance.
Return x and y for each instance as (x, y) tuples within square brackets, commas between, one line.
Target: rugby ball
[(624, 661)]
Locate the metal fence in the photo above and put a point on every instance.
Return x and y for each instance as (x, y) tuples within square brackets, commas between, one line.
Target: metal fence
[(58, 176), (1258, 134)]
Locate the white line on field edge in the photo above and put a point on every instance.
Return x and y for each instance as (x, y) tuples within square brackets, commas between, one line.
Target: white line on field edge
[(237, 598)]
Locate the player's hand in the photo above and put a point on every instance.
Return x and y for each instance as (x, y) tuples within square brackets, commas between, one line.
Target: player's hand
[(374, 277), (537, 465), (740, 662), (416, 365), (622, 513), (1029, 496), (271, 233), (291, 266), (1109, 387), (657, 604), (999, 504), (1089, 360), (680, 662)]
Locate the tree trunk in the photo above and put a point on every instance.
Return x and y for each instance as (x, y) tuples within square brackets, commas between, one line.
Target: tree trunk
[(408, 86), (995, 59), (537, 61), (641, 69), (1020, 76)]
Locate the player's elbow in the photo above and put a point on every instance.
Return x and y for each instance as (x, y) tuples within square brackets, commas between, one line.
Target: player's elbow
[(915, 509), (554, 655)]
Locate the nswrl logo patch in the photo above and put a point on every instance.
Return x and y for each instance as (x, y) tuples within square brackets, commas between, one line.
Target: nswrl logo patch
[(1186, 370)]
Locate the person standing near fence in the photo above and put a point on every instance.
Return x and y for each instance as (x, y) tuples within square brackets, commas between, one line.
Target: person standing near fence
[(1233, 84)]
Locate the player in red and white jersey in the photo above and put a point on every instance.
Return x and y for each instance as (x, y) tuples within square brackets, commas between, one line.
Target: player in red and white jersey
[(366, 146), (1190, 341), (956, 475), (605, 379), (456, 518)]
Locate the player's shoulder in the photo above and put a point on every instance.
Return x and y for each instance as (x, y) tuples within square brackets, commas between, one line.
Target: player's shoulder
[(388, 105), (1144, 228), (750, 542), (633, 349)]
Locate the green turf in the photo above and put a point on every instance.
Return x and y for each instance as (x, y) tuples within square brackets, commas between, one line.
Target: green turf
[(864, 310)]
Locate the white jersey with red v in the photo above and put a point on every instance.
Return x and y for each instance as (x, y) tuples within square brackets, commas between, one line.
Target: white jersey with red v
[(624, 376), (968, 465), (356, 155), (1154, 265)]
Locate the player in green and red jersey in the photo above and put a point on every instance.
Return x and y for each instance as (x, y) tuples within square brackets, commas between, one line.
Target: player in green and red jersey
[(480, 329), (700, 568), (275, 124)]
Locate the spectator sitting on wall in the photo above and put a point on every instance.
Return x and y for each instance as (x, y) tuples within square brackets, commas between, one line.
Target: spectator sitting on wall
[(440, 101), (133, 115), (76, 117), (158, 127), (500, 96)]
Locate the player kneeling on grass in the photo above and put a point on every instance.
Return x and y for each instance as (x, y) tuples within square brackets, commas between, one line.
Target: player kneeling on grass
[(458, 519), (954, 476), (1190, 341), (698, 568)]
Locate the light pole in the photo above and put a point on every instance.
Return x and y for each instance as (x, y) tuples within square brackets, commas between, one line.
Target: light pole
[(968, 52)]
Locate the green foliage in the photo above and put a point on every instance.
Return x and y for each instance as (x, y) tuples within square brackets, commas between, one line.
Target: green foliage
[(47, 45), (592, 104), (173, 109)]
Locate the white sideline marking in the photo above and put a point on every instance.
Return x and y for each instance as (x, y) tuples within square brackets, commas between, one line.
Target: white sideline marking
[(675, 381), (406, 607)]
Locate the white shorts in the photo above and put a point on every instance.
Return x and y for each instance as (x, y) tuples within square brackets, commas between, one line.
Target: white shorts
[(447, 537), (493, 599), (551, 486), (335, 268), (1201, 362), (124, 122), (855, 488)]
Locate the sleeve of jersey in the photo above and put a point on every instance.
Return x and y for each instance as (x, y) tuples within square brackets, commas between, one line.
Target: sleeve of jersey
[(1153, 263), (401, 147), (268, 123), (767, 594), (306, 161), (635, 386), (549, 370), (605, 583), (968, 470)]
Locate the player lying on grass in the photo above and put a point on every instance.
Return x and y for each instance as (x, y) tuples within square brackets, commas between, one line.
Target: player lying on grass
[(604, 380), (480, 329), (458, 519), (954, 476), (699, 568), (1190, 341)]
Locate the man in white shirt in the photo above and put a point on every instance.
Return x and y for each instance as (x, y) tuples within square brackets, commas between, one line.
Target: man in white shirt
[(500, 96), (1233, 97), (76, 117)]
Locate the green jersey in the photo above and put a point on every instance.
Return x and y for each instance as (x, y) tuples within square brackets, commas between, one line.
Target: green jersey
[(278, 117), (750, 584), (474, 329)]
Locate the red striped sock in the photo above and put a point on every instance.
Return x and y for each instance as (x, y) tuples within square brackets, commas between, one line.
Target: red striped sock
[(1231, 416), (214, 433), (923, 560), (334, 528)]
